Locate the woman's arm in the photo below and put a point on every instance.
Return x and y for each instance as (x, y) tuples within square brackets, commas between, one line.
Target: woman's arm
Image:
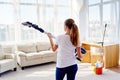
[(53, 46), (78, 52)]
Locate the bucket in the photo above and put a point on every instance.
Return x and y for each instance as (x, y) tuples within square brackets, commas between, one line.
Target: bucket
[(99, 70)]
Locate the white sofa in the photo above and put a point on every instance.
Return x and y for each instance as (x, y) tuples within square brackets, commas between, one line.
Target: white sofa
[(34, 53), (7, 58)]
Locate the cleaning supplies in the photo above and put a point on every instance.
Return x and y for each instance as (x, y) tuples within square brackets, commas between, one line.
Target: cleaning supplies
[(98, 67)]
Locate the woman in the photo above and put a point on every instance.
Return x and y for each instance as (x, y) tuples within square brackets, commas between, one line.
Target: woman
[(66, 44)]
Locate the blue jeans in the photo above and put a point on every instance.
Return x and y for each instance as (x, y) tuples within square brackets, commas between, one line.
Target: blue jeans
[(70, 71)]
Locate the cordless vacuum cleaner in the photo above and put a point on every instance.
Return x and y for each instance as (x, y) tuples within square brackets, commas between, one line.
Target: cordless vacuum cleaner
[(29, 24)]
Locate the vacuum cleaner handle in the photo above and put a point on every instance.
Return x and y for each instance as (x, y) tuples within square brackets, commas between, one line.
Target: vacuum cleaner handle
[(51, 34), (78, 59), (29, 24)]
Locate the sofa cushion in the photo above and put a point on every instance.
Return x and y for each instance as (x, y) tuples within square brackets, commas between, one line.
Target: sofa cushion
[(42, 46), (21, 54), (43, 54), (32, 56), (1, 53), (47, 53), (7, 49), (1, 57), (4, 61), (27, 48), (7, 64)]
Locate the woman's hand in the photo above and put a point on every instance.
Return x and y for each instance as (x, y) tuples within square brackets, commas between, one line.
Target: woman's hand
[(79, 55), (49, 35), (54, 47)]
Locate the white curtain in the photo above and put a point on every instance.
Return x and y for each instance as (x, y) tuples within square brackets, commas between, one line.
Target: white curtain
[(83, 20)]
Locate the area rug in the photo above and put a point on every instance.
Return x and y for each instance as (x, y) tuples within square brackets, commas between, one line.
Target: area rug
[(47, 72)]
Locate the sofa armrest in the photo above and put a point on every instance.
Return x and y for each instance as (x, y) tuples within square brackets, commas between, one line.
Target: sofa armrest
[(9, 56), (21, 54)]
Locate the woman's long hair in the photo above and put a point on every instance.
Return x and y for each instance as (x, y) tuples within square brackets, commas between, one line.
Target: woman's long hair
[(74, 32)]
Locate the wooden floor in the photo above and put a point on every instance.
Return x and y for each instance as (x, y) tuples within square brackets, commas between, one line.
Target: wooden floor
[(115, 69)]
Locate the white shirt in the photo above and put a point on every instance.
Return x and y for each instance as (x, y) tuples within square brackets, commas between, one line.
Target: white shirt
[(66, 51)]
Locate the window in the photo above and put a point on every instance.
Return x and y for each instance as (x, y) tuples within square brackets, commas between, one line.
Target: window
[(107, 13), (106, 0), (93, 1), (7, 32), (94, 13), (103, 12), (28, 13), (7, 18), (6, 1), (64, 2), (28, 1), (50, 2), (63, 13), (48, 14), (6, 21), (49, 19), (118, 18), (94, 22), (2, 32)]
